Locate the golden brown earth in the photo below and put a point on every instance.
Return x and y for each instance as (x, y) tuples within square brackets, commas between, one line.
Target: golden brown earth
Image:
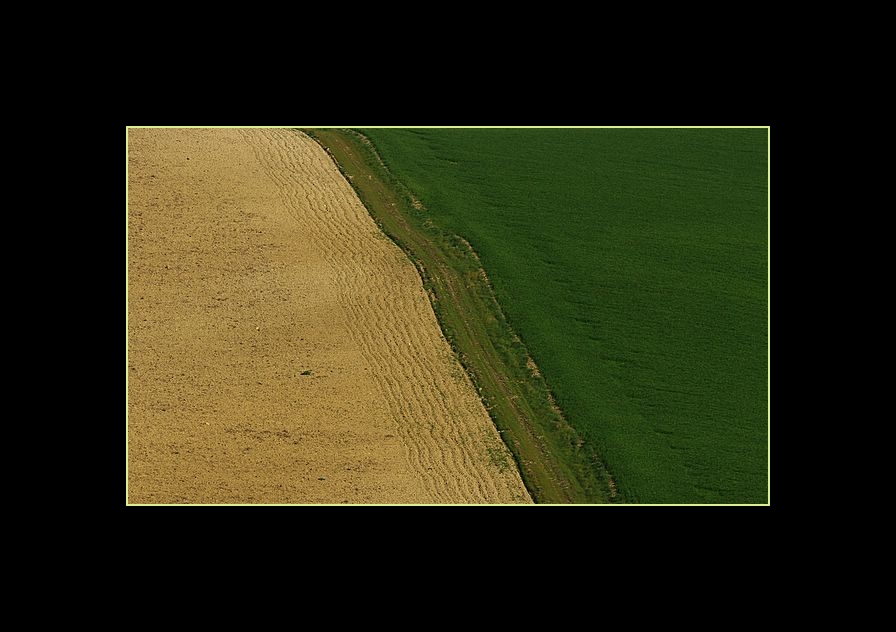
[(280, 348)]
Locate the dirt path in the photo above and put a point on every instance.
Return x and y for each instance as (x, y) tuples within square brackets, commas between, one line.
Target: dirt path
[(280, 348)]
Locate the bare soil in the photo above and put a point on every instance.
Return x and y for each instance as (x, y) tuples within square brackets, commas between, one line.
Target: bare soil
[(280, 348)]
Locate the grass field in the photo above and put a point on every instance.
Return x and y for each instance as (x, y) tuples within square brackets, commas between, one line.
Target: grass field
[(633, 264)]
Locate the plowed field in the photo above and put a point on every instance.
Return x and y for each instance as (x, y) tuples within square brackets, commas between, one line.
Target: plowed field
[(280, 348)]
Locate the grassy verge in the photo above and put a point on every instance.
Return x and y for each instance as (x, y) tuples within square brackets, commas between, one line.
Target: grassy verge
[(555, 464)]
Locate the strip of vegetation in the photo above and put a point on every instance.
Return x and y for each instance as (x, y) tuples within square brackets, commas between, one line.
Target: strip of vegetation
[(556, 464)]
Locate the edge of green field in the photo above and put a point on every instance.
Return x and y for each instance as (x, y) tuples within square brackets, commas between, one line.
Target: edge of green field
[(555, 463)]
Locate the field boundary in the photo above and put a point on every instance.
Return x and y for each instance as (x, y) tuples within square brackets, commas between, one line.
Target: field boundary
[(556, 464)]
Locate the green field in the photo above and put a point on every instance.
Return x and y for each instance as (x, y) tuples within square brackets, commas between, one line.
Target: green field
[(633, 265)]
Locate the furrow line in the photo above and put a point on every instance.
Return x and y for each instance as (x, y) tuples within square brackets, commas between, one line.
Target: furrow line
[(333, 233)]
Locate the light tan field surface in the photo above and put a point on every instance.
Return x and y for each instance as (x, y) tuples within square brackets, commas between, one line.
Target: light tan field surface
[(280, 349)]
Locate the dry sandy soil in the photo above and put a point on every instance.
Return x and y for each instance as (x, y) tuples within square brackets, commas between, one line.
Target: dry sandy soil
[(280, 348)]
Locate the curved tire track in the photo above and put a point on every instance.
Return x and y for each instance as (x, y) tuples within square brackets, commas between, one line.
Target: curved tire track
[(447, 437)]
